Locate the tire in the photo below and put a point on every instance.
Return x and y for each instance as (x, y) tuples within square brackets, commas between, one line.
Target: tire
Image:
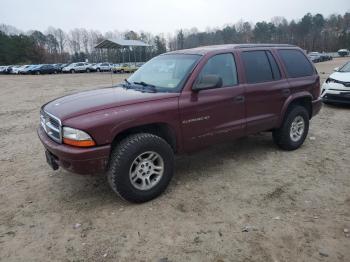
[(72, 71), (122, 166), (37, 72), (122, 71), (87, 70), (98, 70), (283, 136)]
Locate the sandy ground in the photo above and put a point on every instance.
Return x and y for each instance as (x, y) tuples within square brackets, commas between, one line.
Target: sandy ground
[(242, 201)]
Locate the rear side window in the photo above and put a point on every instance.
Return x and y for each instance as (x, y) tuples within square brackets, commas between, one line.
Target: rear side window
[(296, 63), (224, 66), (260, 66), (257, 66)]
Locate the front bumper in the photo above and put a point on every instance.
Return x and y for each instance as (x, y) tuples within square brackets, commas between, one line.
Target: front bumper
[(337, 98), (77, 160), (335, 93)]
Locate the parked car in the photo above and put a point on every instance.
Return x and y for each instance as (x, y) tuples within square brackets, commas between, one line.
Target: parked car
[(77, 67), (336, 88), (343, 52), (102, 67), (15, 69), (44, 69), (125, 68), (5, 69), (2, 69), (315, 57), (24, 69), (28, 69), (326, 57), (132, 131), (321, 57), (59, 67)]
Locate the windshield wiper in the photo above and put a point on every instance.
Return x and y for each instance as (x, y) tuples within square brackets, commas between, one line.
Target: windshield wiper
[(127, 85), (151, 87)]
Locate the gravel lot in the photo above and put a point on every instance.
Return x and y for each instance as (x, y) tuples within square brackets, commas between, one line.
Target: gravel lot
[(242, 201)]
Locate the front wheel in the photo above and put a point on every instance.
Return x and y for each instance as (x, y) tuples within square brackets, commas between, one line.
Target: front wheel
[(141, 167), (295, 127)]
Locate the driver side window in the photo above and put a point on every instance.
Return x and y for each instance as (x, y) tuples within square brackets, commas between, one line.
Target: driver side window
[(222, 65)]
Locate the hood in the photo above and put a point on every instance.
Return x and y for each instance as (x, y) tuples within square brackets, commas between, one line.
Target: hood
[(95, 100), (341, 76)]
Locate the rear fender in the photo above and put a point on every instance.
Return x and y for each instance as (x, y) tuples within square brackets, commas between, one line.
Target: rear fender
[(289, 101)]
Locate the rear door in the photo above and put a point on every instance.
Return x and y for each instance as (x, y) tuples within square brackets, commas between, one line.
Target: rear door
[(265, 91), (301, 74), (213, 115)]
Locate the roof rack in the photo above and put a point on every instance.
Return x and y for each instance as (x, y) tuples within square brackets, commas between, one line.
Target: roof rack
[(262, 45)]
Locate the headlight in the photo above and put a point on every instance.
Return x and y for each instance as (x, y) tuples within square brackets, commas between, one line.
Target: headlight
[(330, 80), (76, 137)]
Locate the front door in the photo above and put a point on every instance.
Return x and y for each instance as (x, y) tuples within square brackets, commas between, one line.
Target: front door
[(213, 115)]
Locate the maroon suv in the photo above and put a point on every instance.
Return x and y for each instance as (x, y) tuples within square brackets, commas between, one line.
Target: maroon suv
[(180, 102)]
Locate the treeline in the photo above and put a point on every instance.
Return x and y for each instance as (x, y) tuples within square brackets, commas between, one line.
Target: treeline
[(311, 32), (57, 46)]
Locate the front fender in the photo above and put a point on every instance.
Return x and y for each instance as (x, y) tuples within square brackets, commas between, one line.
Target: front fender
[(105, 125)]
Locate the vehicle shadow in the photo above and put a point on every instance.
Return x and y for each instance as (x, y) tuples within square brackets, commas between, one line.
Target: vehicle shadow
[(92, 191), (213, 159)]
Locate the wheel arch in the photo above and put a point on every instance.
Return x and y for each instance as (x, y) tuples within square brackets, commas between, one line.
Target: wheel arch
[(302, 99), (162, 130)]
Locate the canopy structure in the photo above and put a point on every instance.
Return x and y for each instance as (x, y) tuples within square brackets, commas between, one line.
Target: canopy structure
[(120, 43), (124, 46)]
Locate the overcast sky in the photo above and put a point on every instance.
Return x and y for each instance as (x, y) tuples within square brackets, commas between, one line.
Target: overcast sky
[(156, 16)]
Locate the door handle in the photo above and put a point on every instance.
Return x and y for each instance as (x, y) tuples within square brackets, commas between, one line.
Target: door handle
[(239, 99), (286, 92)]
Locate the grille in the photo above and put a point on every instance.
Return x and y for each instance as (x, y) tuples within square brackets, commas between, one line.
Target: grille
[(51, 125)]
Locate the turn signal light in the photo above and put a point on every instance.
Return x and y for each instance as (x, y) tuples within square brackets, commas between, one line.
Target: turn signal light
[(79, 143)]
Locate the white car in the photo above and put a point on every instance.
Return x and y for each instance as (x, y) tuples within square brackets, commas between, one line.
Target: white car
[(17, 69), (336, 89), (102, 67), (77, 67)]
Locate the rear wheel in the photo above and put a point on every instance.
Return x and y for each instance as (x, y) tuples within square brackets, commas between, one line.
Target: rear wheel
[(98, 70), (141, 167), (37, 72), (291, 135), (72, 71)]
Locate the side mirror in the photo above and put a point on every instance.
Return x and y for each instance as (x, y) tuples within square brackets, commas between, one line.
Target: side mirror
[(336, 69), (207, 82)]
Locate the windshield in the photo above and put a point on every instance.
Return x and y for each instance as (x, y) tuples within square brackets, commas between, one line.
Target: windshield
[(345, 68), (166, 72)]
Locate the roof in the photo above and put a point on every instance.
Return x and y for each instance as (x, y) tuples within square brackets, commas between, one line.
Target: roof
[(118, 43), (206, 49)]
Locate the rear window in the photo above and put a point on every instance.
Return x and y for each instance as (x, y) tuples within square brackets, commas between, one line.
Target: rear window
[(296, 63)]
